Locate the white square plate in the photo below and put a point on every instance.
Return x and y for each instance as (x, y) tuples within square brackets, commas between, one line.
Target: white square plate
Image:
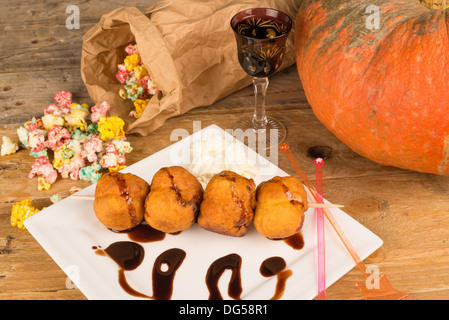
[(69, 229)]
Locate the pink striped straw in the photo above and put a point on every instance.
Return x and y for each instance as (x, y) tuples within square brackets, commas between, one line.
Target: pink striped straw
[(320, 230)]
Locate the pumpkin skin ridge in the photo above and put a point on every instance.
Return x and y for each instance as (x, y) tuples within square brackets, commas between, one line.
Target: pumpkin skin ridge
[(330, 108)]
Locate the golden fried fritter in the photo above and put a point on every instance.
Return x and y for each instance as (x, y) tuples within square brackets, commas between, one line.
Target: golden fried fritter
[(119, 200), (174, 200), (281, 203), (228, 205)]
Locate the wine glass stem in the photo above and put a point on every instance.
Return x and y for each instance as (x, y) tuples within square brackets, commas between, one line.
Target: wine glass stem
[(260, 92)]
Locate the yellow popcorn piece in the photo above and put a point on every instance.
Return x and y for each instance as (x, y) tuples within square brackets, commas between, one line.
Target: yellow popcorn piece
[(58, 159), (140, 105), (117, 168), (21, 211), (122, 93), (140, 71), (42, 184), (76, 119), (132, 61), (111, 128), (49, 121)]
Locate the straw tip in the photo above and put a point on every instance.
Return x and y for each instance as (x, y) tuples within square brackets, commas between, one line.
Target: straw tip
[(319, 161), (283, 146)]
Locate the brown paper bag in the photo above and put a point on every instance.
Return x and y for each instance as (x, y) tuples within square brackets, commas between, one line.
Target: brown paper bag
[(187, 46)]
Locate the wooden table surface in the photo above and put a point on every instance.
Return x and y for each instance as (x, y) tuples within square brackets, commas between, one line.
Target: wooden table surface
[(39, 56)]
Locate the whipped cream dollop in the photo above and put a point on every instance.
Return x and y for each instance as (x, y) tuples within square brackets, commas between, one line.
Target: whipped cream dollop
[(214, 153)]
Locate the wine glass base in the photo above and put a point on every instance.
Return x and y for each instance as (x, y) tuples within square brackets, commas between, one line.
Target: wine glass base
[(271, 137)]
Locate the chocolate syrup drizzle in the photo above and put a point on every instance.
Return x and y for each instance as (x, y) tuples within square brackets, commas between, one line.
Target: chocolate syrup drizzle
[(129, 255), (145, 233), (275, 266), (163, 280), (232, 262), (295, 241)]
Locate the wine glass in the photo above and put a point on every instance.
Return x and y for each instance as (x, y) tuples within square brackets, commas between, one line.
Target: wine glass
[(261, 34)]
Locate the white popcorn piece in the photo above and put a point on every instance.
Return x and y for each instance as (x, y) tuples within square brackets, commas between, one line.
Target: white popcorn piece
[(9, 146)]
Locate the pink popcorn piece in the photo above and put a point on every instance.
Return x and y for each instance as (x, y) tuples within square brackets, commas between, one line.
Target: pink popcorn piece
[(63, 96), (71, 169), (149, 85), (74, 190), (122, 68), (52, 109), (34, 124), (111, 148), (123, 74), (91, 148), (112, 160), (121, 77), (64, 99), (57, 136), (99, 111), (41, 166), (36, 140), (131, 49)]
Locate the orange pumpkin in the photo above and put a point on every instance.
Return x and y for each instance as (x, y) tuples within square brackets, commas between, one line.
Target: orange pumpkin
[(376, 75)]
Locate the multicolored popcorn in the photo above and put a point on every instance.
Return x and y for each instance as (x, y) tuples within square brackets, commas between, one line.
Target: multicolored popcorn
[(138, 84), (49, 120), (73, 148), (59, 158), (76, 119), (70, 169), (42, 166), (91, 173), (131, 49), (113, 160), (8, 146), (57, 136), (149, 85), (99, 111), (92, 147), (121, 145), (64, 100), (55, 198), (36, 140), (84, 141), (22, 133)]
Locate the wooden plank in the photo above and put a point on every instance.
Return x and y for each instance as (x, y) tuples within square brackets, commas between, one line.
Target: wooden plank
[(19, 104), (41, 40), (51, 12)]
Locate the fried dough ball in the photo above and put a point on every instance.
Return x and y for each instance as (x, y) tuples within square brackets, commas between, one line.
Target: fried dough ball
[(228, 205), (174, 200), (281, 203), (119, 200)]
